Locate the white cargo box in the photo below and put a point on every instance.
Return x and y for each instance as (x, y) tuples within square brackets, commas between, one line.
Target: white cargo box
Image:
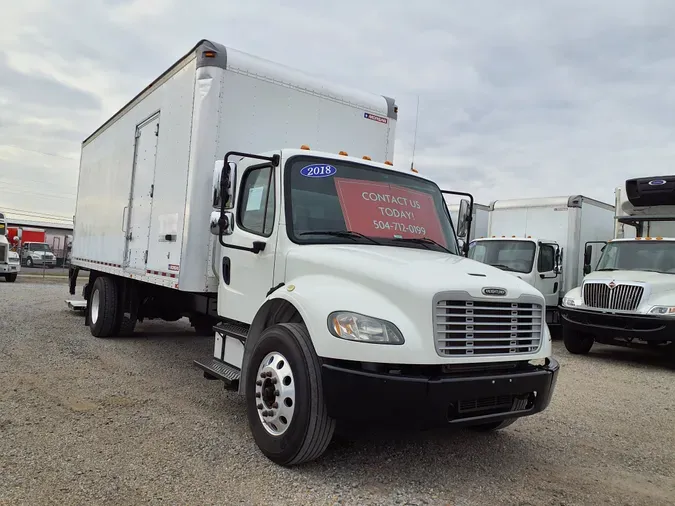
[(145, 185)]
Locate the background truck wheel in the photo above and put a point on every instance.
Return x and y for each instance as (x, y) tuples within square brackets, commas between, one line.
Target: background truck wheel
[(577, 343), (284, 397), (102, 307), (11, 278), (29, 262), (489, 427)]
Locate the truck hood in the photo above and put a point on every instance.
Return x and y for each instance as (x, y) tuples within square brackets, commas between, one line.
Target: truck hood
[(411, 270), (658, 282)]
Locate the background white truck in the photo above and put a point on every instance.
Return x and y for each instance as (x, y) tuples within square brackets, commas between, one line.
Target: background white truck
[(629, 299), (333, 283), (540, 240), (9, 260)]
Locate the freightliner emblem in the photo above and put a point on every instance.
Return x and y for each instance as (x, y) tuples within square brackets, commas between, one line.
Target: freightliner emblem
[(494, 291), (611, 285)]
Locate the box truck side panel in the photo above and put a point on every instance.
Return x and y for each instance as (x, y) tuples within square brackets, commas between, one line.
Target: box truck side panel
[(149, 144), (257, 106)]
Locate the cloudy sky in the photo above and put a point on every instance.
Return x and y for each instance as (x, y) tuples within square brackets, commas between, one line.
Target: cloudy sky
[(517, 98)]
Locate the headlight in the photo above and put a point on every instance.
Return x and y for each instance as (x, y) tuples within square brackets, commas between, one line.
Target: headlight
[(571, 302), (663, 310), (357, 327)]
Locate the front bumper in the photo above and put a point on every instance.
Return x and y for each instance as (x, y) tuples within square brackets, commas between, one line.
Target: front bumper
[(609, 326), (462, 398), (44, 261), (9, 268)]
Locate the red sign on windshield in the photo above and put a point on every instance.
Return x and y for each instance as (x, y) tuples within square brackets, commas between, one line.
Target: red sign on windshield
[(385, 210)]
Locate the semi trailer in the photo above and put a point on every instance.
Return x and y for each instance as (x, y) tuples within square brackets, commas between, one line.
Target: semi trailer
[(263, 204), (627, 297)]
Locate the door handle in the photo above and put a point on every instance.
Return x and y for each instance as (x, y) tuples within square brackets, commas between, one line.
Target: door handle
[(124, 214)]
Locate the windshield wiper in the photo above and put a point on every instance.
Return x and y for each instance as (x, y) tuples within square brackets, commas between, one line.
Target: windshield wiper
[(422, 240), (606, 269), (341, 233), (503, 267)]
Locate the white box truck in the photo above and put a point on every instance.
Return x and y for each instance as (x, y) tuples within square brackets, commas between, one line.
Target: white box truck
[(627, 297), (540, 240), (9, 260), (262, 204)]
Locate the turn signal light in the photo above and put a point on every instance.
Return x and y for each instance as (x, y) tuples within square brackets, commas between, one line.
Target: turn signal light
[(343, 153), (413, 169), (304, 146), (387, 162), (366, 157), (209, 54)]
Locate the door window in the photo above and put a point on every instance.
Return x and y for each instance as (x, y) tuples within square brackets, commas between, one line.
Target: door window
[(256, 201), (546, 258)]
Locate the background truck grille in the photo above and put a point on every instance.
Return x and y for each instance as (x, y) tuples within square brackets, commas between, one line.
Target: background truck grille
[(621, 297), (3, 253), (487, 328)]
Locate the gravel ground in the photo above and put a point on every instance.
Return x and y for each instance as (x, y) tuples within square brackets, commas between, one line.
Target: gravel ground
[(129, 421)]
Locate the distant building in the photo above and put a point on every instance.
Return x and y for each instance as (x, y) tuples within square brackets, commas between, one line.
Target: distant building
[(57, 233)]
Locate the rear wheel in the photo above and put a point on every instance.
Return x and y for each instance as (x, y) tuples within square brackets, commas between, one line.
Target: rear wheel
[(11, 278), (577, 343), (102, 307), (284, 397)]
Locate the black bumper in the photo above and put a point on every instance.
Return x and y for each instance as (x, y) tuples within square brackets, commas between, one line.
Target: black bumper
[(435, 401), (609, 326)]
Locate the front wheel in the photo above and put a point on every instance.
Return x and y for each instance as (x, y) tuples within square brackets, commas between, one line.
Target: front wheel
[(11, 278), (577, 343), (284, 397), (29, 262)]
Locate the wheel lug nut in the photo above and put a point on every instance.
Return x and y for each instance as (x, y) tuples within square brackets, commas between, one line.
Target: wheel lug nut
[(276, 393), (260, 406), (274, 381), (270, 413), (257, 394), (269, 374), (262, 374), (275, 405), (258, 382)]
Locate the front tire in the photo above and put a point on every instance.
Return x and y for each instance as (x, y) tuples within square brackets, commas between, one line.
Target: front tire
[(286, 409), (102, 307), (29, 262), (10, 278), (577, 343)]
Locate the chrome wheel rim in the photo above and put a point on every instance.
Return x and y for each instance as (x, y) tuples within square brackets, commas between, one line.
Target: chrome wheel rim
[(275, 393)]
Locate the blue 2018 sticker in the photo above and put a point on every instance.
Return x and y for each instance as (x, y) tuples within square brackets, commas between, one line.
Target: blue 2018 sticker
[(318, 170)]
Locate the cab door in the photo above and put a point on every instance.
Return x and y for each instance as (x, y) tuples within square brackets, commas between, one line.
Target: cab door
[(547, 277), (246, 273)]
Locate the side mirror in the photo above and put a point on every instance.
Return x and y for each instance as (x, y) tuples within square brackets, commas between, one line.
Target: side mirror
[(588, 254), (224, 223), (223, 184), (463, 218)]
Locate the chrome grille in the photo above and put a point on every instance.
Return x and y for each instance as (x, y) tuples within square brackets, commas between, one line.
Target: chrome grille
[(3, 253), (622, 297), (471, 327)]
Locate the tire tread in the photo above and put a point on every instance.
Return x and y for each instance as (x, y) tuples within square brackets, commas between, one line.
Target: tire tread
[(321, 427)]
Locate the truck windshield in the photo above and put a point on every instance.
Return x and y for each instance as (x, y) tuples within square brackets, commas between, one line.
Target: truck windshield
[(516, 256), (40, 246), (334, 201), (657, 256)]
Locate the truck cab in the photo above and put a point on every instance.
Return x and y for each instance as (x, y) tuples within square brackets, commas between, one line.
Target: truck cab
[(627, 298), (37, 254), (535, 261), (345, 294)]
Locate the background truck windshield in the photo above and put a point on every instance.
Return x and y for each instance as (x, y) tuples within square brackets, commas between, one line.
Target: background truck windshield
[(643, 255), (389, 207), (515, 256), (40, 246)]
